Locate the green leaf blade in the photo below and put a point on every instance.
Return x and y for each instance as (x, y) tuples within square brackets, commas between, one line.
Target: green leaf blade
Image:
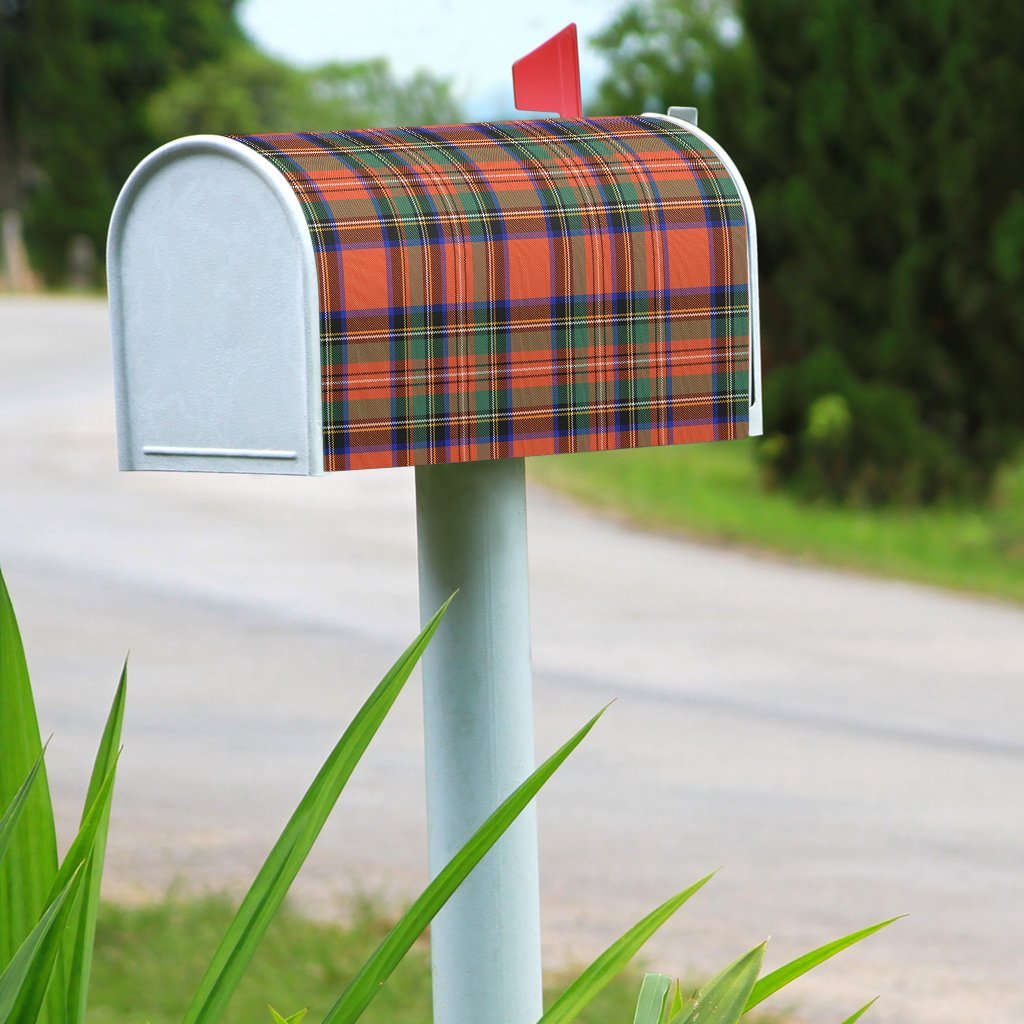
[(82, 931), (24, 981), (854, 1017), (595, 977), (72, 867), (651, 1003), (274, 879), (29, 868), (676, 1002), (372, 975), (11, 816), (295, 1018), (723, 1000), (782, 976)]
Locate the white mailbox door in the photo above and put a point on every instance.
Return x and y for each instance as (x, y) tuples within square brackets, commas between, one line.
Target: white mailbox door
[(215, 316)]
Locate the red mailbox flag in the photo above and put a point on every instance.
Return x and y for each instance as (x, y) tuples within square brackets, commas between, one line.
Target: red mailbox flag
[(548, 78)]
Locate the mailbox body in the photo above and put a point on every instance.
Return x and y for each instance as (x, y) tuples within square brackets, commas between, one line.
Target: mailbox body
[(296, 303)]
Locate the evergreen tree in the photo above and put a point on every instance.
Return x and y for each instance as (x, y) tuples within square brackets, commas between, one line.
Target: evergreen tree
[(880, 146)]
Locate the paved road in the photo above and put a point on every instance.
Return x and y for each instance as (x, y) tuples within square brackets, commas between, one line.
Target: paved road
[(846, 748)]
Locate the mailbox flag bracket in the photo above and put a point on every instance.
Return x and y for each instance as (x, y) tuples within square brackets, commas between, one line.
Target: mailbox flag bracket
[(688, 114)]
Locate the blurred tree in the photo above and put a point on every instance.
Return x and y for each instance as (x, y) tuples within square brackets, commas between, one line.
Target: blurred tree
[(248, 92), (88, 87), (877, 139), (75, 76), (245, 91), (366, 94)]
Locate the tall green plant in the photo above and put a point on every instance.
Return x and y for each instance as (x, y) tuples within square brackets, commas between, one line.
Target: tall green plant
[(47, 909), (890, 221), (30, 861), (47, 921), (725, 999), (48, 913)]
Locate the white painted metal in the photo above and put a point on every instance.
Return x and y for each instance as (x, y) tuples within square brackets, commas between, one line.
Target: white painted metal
[(478, 710), (756, 404), (214, 315), (688, 114), (218, 453)]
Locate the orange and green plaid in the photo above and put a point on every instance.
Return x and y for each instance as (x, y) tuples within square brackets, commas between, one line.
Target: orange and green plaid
[(522, 288)]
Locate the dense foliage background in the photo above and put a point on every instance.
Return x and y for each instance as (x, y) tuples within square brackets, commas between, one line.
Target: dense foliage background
[(89, 87), (877, 139)]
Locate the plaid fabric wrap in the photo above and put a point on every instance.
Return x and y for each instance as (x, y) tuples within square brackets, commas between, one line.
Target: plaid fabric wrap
[(522, 288)]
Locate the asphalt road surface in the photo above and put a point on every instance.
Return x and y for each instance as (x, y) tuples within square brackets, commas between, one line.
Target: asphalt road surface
[(845, 748)]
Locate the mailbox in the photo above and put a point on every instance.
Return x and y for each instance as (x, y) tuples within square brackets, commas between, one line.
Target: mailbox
[(296, 303), (473, 293)]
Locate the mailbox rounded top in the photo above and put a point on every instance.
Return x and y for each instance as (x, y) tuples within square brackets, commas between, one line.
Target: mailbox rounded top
[(449, 293)]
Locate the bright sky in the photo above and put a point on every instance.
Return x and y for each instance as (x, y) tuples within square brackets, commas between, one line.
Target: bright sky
[(472, 42)]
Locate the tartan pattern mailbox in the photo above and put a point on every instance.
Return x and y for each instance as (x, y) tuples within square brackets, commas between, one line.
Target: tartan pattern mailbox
[(413, 296)]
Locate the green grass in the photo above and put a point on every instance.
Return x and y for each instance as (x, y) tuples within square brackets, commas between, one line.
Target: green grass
[(149, 959), (713, 491)]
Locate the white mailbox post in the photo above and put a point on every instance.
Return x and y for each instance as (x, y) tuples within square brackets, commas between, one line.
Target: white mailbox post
[(452, 298)]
